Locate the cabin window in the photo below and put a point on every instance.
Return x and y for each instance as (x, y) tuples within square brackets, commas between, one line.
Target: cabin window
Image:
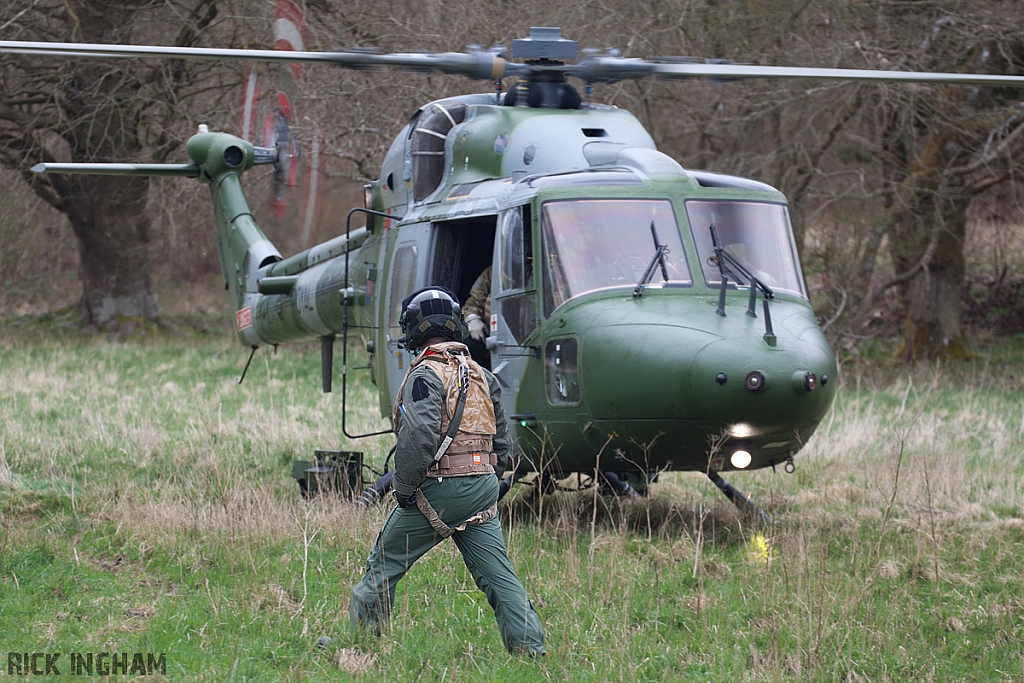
[(428, 136), (594, 244), (404, 274), (757, 234)]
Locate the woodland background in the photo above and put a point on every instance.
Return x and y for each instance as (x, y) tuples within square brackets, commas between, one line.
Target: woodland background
[(907, 200), (145, 502)]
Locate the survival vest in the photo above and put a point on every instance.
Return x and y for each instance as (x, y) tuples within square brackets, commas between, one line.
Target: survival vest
[(470, 452)]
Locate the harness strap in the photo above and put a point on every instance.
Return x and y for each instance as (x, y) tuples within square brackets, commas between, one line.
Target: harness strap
[(464, 465), (453, 426), (447, 461), (438, 525)]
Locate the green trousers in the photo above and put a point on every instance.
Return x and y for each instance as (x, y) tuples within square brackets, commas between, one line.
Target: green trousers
[(407, 536)]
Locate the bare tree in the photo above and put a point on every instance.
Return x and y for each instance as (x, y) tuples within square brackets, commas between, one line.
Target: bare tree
[(97, 110), (939, 149), (871, 165), (864, 166)]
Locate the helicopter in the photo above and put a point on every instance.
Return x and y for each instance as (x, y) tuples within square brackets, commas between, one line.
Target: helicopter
[(643, 316)]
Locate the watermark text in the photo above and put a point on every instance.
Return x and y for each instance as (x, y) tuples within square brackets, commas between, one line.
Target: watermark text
[(86, 663)]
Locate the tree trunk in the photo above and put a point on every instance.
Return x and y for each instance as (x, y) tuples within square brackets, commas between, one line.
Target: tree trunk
[(928, 243), (93, 110), (110, 221)]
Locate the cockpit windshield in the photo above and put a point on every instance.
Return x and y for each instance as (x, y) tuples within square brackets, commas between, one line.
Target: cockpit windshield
[(592, 244), (757, 234)]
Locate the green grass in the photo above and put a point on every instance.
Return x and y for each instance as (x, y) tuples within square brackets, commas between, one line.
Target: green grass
[(145, 506)]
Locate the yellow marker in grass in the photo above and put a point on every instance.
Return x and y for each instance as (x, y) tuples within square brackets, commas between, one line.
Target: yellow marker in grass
[(760, 549)]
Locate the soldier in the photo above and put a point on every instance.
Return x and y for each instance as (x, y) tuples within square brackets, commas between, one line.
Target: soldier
[(478, 306), (452, 451)]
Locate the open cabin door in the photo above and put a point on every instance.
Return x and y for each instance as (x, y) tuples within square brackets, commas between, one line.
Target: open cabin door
[(462, 250), (450, 254), (406, 271)]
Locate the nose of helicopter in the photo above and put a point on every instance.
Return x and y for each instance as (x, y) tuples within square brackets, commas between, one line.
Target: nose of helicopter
[(640, 371), (659, 371), (759, 388)]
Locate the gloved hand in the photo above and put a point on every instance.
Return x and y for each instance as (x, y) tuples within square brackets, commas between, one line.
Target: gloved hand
[(477, 328), (367, 498), (409, 502)]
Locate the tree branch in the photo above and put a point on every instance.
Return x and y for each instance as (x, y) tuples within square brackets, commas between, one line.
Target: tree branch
[(921, 265), (991, 156)]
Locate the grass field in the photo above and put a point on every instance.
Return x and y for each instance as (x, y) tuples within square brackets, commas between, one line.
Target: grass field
[(146, 507)]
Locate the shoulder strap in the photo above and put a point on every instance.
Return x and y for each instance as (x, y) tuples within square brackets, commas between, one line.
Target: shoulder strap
[(453, 426)]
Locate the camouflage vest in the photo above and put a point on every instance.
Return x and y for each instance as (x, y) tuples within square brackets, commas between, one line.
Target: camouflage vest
[(470, 452)]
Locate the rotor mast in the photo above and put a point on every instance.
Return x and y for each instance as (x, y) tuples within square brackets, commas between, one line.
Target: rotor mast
[(545, 85)]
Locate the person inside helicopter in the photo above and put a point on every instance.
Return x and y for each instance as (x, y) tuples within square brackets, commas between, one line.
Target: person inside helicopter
[(477, 311)]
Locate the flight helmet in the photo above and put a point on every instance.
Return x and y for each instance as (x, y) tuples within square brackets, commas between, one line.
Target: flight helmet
[(430, 312)]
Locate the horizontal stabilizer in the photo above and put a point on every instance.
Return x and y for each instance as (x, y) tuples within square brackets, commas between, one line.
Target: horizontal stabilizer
[(165, 170)]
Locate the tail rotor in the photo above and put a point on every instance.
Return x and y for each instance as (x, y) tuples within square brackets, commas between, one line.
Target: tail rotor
[(280, 136), (297, 183)]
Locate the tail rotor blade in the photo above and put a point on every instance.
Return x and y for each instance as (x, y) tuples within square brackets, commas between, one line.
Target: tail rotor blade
[(291, 33), (309, 218)]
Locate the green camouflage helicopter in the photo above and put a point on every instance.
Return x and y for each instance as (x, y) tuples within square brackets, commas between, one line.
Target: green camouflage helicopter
[(643, 316)]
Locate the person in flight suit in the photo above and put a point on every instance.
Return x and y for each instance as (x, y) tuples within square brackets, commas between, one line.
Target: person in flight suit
[(452, 451)]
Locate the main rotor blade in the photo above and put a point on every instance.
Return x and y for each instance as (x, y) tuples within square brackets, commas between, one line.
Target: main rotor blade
[(489, 66), (152, 170), (609, 69), (480, 65)]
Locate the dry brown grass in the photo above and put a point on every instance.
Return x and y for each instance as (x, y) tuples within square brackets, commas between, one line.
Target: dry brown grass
[(898, 489), (353, 661)]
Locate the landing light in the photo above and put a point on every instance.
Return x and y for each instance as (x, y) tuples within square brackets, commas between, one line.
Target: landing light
[(740, 459), (741, 431)]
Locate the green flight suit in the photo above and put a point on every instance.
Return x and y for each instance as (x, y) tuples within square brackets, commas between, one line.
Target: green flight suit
[(407, 536)]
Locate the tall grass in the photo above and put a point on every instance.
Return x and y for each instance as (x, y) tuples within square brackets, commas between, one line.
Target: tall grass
[(146, 506)]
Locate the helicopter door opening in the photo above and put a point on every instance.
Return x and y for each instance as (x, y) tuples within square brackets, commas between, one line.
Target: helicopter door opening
[(461, 254)]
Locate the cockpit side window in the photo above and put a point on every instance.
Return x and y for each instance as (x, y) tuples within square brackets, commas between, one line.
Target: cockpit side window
[(516, 250), (516, 272), (511, 250)]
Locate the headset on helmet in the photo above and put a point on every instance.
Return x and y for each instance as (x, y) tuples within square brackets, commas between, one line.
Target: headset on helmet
[(430, 312)]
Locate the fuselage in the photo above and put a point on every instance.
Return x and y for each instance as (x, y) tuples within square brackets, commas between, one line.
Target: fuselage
[(601, 345)]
